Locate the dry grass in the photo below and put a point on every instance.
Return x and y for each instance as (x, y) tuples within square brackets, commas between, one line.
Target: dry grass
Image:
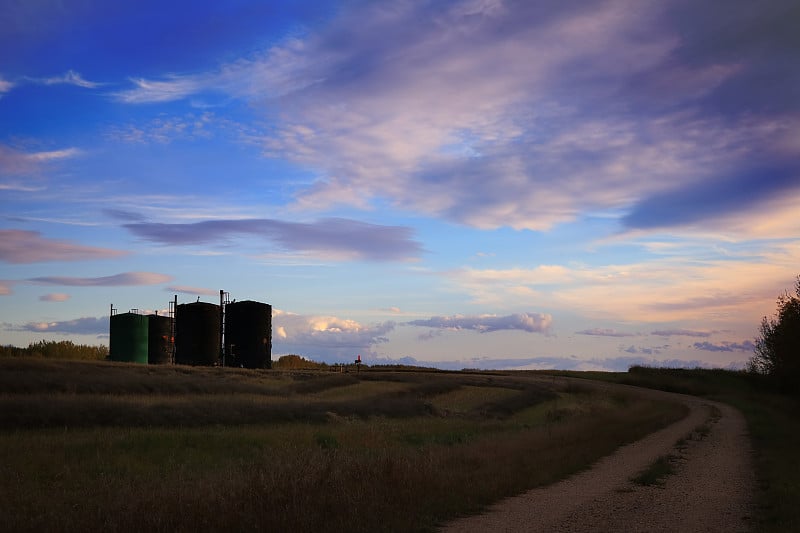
[(373, 454)]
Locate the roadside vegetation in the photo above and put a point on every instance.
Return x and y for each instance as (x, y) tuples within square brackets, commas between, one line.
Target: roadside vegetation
[(113, 446)]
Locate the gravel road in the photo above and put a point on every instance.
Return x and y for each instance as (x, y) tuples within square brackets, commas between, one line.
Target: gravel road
[(711, 489)]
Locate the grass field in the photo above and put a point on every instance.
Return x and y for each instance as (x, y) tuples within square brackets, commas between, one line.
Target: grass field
[(92, 445)]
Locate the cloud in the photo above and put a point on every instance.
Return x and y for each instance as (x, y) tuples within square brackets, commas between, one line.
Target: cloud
[(22, 246), (429, 335), (653, 350), (714, 198), (604, 333), (714, 289), (54, 297), (333, 238), (183, 289), (79, 326), (5, 287), (525, 115), (680, 332), (5, 86), (744, 346), (14, 162), (117, 280), (164, 130), (328, 338), (68, 78), (530, 322)]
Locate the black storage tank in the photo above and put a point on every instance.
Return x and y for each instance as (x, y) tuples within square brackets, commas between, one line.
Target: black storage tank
[(248, 334), (159, 343), (197, 334)]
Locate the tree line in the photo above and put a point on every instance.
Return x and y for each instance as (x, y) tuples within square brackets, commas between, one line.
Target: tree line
[(57, 350)]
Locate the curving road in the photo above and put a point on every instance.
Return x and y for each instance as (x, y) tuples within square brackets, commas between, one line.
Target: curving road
[(711, 490)]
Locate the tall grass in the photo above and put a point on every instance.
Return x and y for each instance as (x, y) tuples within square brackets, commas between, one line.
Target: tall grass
[(179, 449)]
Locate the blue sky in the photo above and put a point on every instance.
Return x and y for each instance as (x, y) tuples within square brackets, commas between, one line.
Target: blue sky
[(479, 183)]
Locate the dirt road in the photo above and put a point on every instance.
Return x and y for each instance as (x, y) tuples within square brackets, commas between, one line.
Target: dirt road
[(711, 489)]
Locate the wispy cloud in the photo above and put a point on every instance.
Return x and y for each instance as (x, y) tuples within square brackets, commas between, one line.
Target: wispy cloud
[(744, 346), (597, 97), (530, 322), (22, 246), (680, 332), (5, 287), (164, 130), (604, 332), (117, 280), (332, 238), (55, 297), (183, 289), (5, 86), (653, 291), (68, 78), (78, 326), (14, 162)]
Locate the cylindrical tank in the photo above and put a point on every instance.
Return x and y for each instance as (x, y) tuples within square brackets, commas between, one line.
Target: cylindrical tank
[(248, 334), (197, 334), (159, 346), (128, 338)]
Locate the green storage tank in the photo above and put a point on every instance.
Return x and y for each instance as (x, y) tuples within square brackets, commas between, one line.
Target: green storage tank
[(129, 338)]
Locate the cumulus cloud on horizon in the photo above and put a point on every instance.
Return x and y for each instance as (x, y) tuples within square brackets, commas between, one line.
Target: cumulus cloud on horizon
[(326, 338)]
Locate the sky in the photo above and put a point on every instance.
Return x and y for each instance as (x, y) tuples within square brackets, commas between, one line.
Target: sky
[(463, 184)]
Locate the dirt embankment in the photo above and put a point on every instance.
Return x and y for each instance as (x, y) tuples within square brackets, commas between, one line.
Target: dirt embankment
[(711, 489)]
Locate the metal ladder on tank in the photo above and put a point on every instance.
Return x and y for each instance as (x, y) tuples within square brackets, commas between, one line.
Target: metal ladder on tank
[(224, 300), (171, 340)]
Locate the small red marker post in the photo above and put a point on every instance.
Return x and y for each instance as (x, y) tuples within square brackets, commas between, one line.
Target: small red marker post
[(358, 363)]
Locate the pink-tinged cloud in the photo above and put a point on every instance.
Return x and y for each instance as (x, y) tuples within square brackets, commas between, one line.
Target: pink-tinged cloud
[(117, 280), (54, 297), (530, 322), (5, 287), (604, 333), (680, 332), (23, 246), (184, 289), (329, 238)]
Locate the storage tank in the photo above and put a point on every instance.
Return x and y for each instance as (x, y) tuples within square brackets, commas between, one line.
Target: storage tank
[(197, 334), (159, 346), (248, 334), (128, 338)]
